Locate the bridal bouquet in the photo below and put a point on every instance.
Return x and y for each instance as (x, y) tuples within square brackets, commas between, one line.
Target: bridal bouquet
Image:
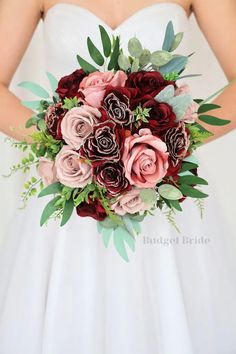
[(116, 143)]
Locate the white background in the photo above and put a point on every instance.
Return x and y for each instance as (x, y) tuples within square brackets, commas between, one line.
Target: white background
[(218, 157)]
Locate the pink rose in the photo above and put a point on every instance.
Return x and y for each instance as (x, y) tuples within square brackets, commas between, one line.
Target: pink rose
[(72, 170), (182, 90), (78, 124), (47, 171), (145, 159), (130, 202), (191, 113), (94, 85)]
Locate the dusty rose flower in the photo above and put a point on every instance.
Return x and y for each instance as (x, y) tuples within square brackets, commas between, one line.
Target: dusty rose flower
[(182, 89), (130, 202), (78, 124), (72, 170), (191, 113), (177, 141), (94, 85), (145, 158), (47, 171)]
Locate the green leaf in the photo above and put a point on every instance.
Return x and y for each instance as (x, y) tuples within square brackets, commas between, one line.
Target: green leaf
[(169, 192), (144, 57), (169, 37), (88, 68), (113, 63), (192, 192), (106, 42), (177, 64), (34, 88), (186, 166), (192, 180), (67, 211), (135, 47), (207, 107), (213, 120), (51, 189), (53, 81), (124, 62), (176, 205), (34, 105), (177, 40), (160, 58), (108, 223), (31, 122), (49, 210), (41, 125), (148, 195), (95, 53), (192, 159), (119, 243), (129, 225)]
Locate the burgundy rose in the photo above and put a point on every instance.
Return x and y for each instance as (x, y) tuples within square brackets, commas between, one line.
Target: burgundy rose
[(177, 141), (161, 115), (112, 177), (116, 103), (93, 209), (147, 82), (104, 144), (53, 118), (68, 86)]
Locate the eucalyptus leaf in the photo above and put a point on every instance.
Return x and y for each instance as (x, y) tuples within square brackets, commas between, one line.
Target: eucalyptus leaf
[(135, 47), (166, 94), (108, 223), (67, 211), (34, 105), (169, 191), (180, 104), (160, 58), (106, 235), (124, 62), (148, 196), (95, 53), (87, 67), (185, 173), (119, 243), (177, 40), (145, 57), (49, 210), (51, 189), (191, 158), (213, 120), (135, 65), (177, 64), (106, 42), (129, 225), (53, 81), (169, 37), (35, 89)]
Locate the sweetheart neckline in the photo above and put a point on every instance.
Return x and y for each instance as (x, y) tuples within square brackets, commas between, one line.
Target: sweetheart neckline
[(135, 14)]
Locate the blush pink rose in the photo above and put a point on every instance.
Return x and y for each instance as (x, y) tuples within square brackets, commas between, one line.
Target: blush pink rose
[(191, 113), (145, 159), (94, 85), (47, 171), (72, 169), (130, 202), (182, 90), (78, 124)]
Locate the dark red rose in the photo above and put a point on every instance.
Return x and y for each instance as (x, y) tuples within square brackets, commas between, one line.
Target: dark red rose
[(161, 115), (116, 102), (93, 209), (104, 144), (177, 141), (53, 118), (147, 82), (68, 86), (112, 177)]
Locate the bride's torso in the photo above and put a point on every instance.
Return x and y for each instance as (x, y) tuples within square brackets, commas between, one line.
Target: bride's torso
[(67, 26)]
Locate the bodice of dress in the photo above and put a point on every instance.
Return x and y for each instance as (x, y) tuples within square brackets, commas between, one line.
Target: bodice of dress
[(67, 26)]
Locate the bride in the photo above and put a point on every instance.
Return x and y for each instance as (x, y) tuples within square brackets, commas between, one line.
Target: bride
[(61, 291)]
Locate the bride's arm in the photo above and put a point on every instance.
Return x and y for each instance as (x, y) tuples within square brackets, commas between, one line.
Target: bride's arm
[(18, 20), (217, 20)]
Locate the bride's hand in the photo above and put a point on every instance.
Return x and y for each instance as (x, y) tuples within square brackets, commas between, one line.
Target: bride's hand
[(217, 20), (18, 20)]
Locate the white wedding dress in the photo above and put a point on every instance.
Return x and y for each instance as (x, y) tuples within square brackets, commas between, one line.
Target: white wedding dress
[(62, 292)]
